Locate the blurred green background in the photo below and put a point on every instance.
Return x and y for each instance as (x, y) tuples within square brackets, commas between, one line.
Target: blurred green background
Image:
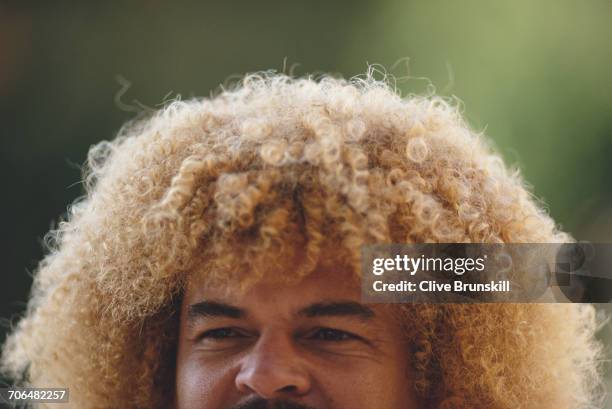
[(535, 76)]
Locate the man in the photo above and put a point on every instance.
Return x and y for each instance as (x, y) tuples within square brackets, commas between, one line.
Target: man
[(215, 263)]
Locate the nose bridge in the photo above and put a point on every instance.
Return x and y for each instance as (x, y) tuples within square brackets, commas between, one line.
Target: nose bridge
[(273, 367)]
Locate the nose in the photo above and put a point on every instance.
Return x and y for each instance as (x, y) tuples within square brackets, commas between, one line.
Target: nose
[(273, 369)]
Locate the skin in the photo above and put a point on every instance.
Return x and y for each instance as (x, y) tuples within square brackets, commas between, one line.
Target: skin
[(310, 345)]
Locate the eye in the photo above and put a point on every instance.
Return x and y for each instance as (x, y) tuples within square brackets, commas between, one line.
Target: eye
[(220, 334), (330, 334)]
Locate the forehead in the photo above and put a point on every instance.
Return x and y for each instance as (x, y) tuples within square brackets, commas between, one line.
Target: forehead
[(282, 304), (319, 285)]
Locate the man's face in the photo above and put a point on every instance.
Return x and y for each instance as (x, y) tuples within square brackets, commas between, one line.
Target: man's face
[(306, 346)]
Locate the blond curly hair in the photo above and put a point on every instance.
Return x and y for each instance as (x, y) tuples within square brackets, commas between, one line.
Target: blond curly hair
[(239, 185)]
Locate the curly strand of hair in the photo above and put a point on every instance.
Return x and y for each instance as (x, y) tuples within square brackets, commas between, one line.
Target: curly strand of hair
[(198, 223), (314, 219), (184, 183)]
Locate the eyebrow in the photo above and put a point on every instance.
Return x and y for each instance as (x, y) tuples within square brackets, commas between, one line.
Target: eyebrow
[(337, 309), (206, 309)]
